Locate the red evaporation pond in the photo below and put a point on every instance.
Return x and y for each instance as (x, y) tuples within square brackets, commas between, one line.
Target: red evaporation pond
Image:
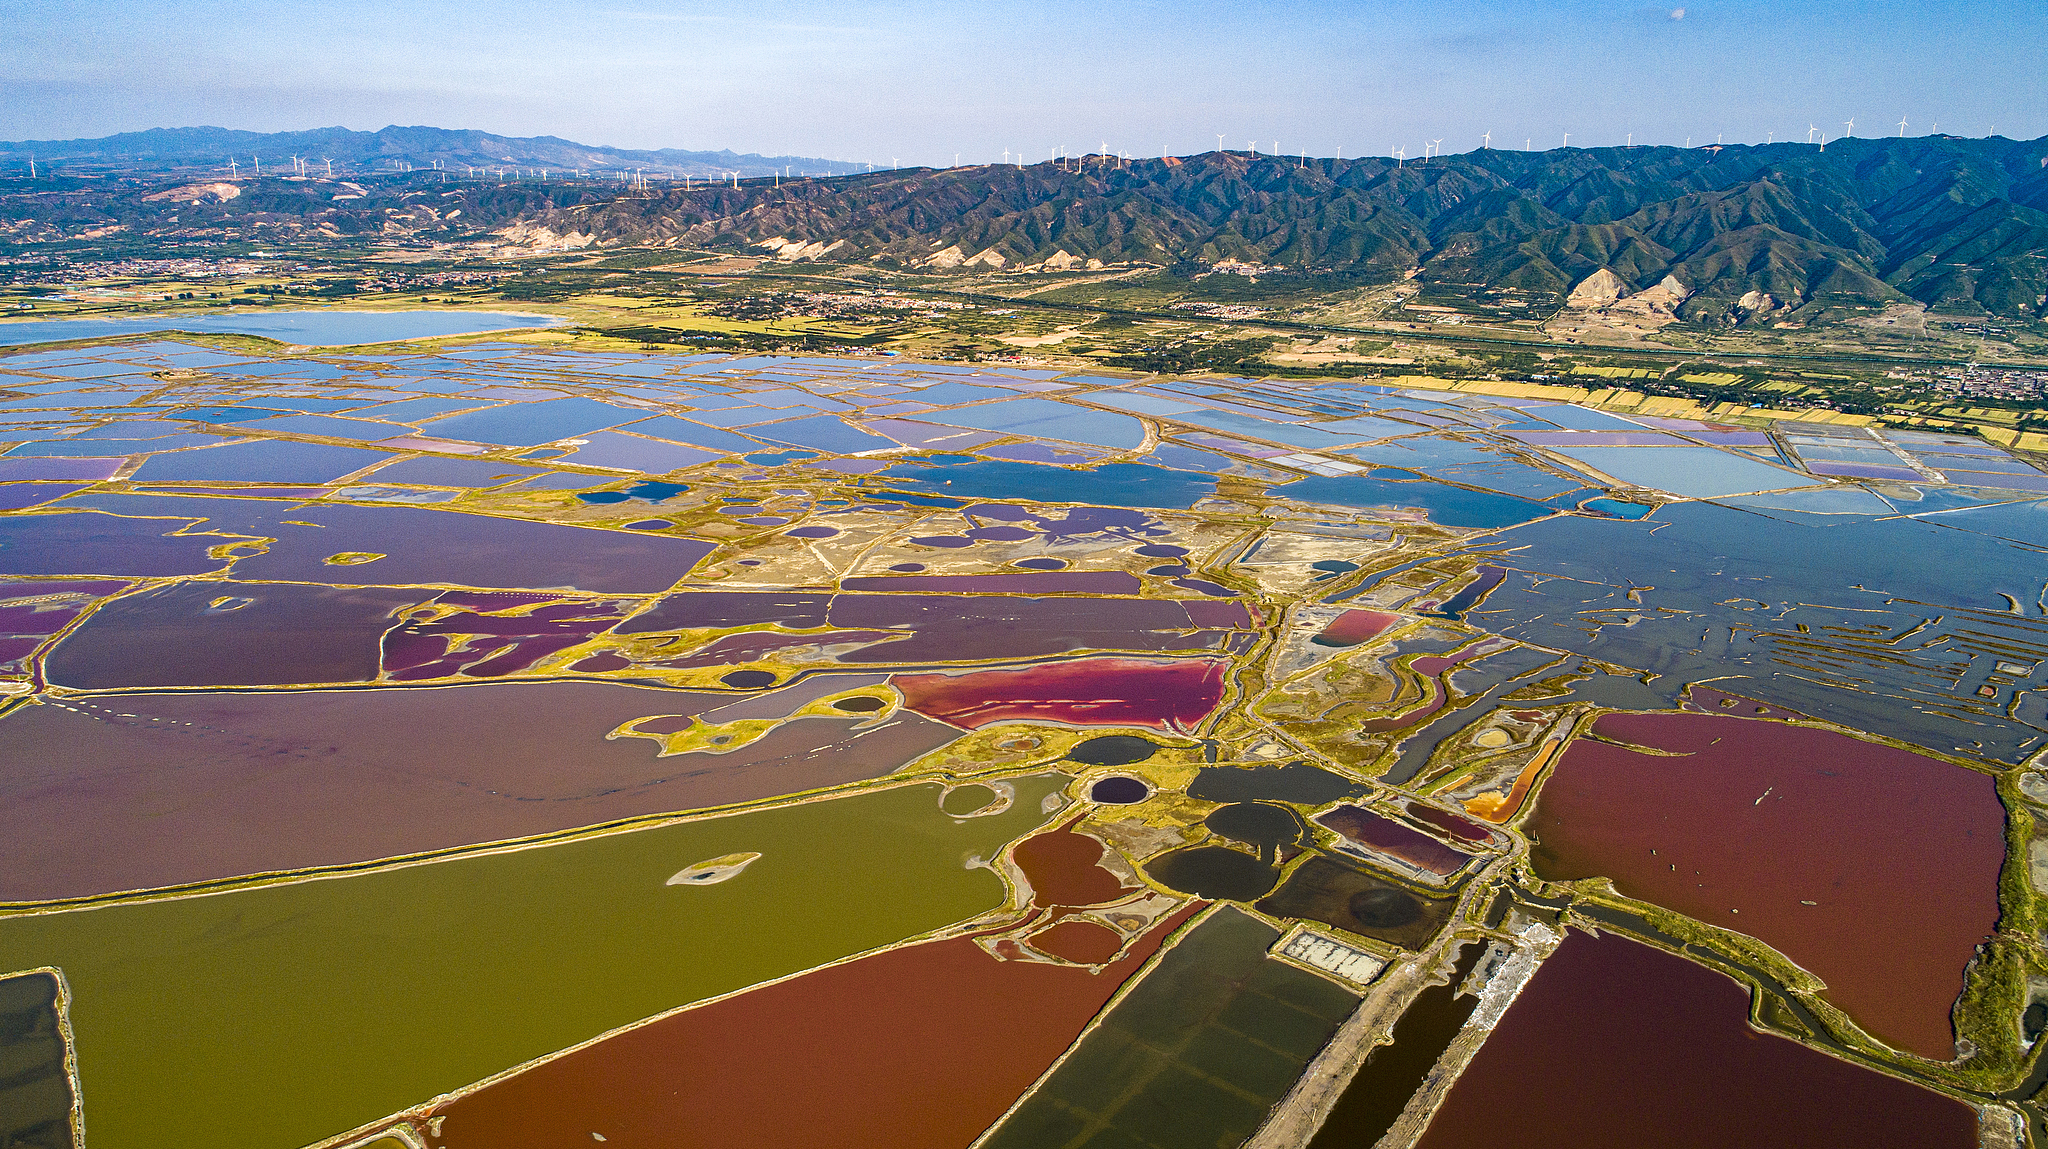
[(921, 1047), (1061, 867), (1751, 820), (1085, 691), (1456, 825), (1355, 626), (1085, 942), (1615, 1044), (1389, 837)]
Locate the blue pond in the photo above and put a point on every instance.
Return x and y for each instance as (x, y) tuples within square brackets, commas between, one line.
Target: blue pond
[(1446, 505), (1618, 508), (307, 328), (1112, 485)]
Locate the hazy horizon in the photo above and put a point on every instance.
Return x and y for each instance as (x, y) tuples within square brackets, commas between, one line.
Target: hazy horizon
[(890, 82)]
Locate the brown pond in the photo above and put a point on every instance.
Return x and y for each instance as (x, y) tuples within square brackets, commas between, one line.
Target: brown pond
[(1874, 868), (1061, 866), (1615, 1045), (1077, 941), (121, 792), (920, 1047)]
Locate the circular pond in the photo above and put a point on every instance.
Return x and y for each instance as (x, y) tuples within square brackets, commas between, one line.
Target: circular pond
[(1118, 790)]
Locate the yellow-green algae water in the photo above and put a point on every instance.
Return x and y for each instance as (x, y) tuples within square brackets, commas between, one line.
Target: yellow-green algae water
[(281, 1015)]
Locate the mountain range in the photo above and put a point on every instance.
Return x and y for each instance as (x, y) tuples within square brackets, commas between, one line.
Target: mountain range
[(391, 149), (1742, 233), (1716, 233)]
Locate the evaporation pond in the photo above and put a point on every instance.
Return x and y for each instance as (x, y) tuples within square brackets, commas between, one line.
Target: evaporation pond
[(331, 1009), (1811, 841), (1110, 485), (307, 328), (1660, 1053)]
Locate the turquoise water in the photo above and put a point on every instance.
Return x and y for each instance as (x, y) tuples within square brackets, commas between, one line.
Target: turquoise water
[(306, 328)]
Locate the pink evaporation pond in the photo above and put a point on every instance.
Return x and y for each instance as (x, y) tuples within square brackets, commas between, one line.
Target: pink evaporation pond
[(1085, 692), (1455, 825), (1616, 1044), (1048, 582), (1380, 834), (1356, 626), (1741, 823)]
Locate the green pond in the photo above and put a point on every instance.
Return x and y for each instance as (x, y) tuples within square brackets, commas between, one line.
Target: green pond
[(278, 1016)]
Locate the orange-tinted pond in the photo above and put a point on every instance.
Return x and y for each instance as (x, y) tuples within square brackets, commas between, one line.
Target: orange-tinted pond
[(1874, 868), (1615, 1045)]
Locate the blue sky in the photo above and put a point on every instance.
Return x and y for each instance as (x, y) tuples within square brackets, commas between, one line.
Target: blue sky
[(918, 83)]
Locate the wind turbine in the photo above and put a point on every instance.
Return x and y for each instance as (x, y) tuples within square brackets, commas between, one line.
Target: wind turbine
[(1400, 157), (1486, 139), (1851, 126), (1219, 141), (1252, 146), (1902, 127), (1439, 144), (1810, 129), (234, 169), (1631, 140), (1006, 158), (1567, 139)]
